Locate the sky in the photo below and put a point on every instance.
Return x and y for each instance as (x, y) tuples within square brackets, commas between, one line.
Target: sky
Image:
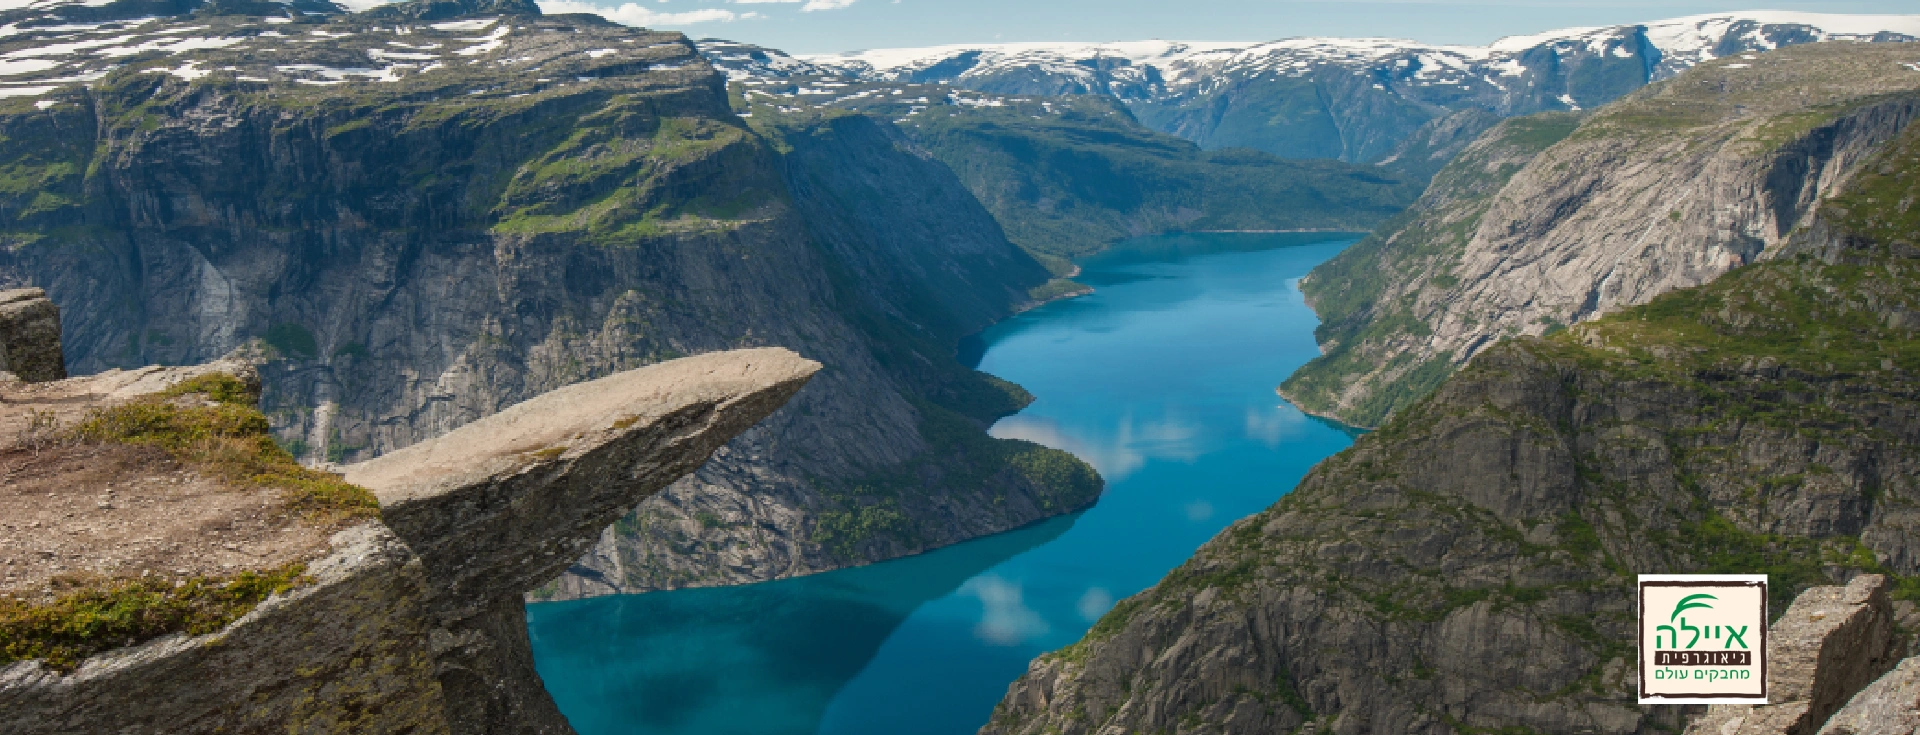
[(826, 26)]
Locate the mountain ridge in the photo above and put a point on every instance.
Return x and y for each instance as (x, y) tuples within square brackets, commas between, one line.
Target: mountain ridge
[(1352, 99)]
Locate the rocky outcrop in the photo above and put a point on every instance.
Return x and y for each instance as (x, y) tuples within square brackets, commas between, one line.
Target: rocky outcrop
[(1890, 706), (1830, 644), (30, 336), (1668, 188), (425, 220), (414, 623), (1470, 566)]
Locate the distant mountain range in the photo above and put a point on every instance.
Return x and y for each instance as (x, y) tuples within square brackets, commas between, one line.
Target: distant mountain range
[(1359, 100)]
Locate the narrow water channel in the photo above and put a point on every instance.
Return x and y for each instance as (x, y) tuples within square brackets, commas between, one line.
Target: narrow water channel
[(1163, 379)]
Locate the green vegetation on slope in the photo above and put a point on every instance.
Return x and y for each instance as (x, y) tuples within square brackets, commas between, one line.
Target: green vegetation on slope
[(91, 616)]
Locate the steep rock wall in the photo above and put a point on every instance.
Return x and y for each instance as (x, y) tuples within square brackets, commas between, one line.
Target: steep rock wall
[(1669, 188)]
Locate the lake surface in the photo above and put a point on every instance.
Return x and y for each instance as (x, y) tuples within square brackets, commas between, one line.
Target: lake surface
[(1163, 379)]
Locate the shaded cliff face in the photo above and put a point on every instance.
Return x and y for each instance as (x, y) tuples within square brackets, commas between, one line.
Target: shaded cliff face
[(428, 216), (1470, 566), (1666, 189)]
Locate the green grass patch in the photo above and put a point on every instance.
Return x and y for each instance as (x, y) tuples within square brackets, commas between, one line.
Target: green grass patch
[(91, 616), (229, 440)]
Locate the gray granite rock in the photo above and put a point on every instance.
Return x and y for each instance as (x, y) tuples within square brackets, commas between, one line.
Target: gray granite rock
[(30, 336), (1890, 706), (1829, 645)]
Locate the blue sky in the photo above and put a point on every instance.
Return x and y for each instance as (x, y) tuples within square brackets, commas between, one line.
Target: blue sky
[(817, 26)]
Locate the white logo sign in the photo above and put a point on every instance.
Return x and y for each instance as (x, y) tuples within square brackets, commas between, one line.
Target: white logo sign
[(1703, 639)]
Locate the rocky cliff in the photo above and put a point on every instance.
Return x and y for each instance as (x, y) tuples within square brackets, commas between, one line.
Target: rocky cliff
[(1469, 567), (1538, 227), (431, 211), (219, 587)]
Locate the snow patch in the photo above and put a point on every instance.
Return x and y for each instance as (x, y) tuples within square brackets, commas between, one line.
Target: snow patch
[(476, 24)]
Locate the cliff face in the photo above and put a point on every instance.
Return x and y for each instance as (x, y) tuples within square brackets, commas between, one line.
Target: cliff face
[(1470, 566), (408, 623), (874, 206), (431, 212), (1667, 189)]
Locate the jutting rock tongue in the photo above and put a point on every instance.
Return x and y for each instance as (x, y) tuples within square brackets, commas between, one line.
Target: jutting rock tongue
[(505, 503), (30, 336), (414, 623)]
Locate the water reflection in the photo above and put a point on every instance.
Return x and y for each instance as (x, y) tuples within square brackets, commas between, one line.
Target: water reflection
[(762, 659), (1116, 452), (1005, 620), (1163, 379)]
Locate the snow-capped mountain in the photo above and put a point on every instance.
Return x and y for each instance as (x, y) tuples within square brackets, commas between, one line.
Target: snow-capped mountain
[(1355, 99)]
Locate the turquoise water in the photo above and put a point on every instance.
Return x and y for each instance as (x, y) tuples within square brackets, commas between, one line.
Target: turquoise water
[(1163, 379)]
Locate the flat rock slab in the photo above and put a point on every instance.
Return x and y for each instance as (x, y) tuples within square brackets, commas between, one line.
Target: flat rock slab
[(506, 503)]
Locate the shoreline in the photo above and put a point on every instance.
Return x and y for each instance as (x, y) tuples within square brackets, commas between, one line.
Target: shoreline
[(1277, 390), (1271, 232), (1032, 304)]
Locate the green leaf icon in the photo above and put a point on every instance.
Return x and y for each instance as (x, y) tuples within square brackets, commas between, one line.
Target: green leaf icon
[(1690, 602)]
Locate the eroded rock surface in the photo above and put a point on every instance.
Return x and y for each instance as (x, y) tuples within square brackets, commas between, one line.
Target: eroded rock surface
[(1669, 188), (1890, 706), (1831, 643)]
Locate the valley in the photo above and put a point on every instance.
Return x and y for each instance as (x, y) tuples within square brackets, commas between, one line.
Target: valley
[(685, 385)]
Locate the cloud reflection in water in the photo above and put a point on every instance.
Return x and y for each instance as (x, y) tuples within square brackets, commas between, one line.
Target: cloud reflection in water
[(1005, 619), (1274, 426), (1132, 442)]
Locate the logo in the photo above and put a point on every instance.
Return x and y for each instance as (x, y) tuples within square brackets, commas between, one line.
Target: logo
[(1703, 639)]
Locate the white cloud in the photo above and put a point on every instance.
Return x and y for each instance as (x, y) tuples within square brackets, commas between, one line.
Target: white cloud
[(635, 15), (810, 6)]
